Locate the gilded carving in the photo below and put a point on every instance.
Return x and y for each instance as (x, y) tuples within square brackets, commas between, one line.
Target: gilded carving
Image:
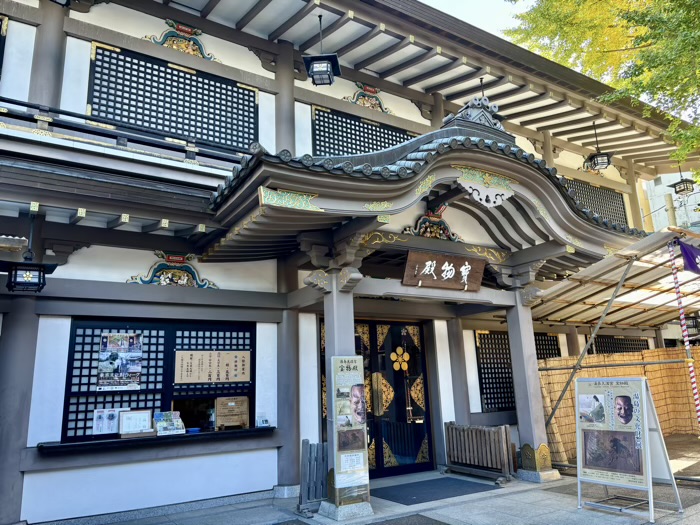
[(536, 460), (574, 240), (173, 270), (423, 456), (425, 185), (288, 199), (386, 219), (323, 395), (493, 255), (382, 238), (182, 38), (378, 206), (371, 456), (541, 209), (610, 250), (418, 392), (382, 331), (368, 96), (414, 332), (486, 188), (362, 330), (317, 279), (389, 459)]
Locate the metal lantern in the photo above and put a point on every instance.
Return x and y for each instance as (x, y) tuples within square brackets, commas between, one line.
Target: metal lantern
[(26, 277), (322, 68), (683, 186), (599, 160)]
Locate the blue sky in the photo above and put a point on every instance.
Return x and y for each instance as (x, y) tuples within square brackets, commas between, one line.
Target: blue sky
[(491, 15)]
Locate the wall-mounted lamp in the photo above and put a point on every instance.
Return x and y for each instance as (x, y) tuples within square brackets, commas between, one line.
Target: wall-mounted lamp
[(599, 160), (27, 276), (683, 186), (322, 68)]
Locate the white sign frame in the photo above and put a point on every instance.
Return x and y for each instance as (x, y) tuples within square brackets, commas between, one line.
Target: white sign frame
[(658, 471)]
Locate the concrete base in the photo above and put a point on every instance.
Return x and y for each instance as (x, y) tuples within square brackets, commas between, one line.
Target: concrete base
[(286, 491), (345, 512), (543, 476)]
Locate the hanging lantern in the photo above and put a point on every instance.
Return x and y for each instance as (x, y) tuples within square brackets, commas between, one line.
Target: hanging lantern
[(322, 68), (599, 160), (684, 186)]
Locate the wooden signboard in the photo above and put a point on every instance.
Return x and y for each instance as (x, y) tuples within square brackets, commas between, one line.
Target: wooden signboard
[(437, 270), (211, 366), (232, 412)]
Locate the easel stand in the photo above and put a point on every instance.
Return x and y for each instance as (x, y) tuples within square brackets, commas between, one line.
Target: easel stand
[(615, 450)]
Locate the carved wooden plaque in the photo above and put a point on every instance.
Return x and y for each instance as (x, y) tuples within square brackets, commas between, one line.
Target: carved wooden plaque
[(438, 270)]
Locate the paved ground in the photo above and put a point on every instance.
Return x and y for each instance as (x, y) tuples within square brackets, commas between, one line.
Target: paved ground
[(517, 503)]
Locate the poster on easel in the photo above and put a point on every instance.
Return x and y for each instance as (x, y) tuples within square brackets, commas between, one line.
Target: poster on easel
[(349, 412), (617, 429)]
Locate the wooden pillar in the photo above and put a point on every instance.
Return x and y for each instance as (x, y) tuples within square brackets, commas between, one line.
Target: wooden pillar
[(49, 56)]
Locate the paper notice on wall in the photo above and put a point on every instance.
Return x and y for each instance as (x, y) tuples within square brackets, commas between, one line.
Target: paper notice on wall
[(119, 362), (211, 366)]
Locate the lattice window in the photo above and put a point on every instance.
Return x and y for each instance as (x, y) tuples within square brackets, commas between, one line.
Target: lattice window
[(607, 203), (608, 344), (143, 91), (495, 371), (547, 345), (159, 342), (335, 133)]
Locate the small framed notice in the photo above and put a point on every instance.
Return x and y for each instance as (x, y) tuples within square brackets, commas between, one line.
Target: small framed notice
[(135, 422), (232, 412)]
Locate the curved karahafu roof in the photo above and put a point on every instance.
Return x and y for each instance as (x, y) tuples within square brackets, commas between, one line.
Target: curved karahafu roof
[(471, 164)]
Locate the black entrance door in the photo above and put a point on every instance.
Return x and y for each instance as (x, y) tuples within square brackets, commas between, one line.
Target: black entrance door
[(398, 425)]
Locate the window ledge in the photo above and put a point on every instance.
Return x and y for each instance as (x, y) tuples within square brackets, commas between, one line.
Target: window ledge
[(56, 448)]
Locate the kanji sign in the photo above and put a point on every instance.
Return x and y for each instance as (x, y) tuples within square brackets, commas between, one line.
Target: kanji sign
[(437, 270)]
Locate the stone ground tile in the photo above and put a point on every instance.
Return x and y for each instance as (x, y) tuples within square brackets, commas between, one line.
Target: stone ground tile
[(528, 511), (250, 516), (155, 520)]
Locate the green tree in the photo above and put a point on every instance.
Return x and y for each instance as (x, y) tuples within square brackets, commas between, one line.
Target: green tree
[(646, 49)]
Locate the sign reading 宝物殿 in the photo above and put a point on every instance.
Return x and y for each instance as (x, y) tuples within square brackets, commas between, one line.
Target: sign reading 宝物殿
[(437, 270)]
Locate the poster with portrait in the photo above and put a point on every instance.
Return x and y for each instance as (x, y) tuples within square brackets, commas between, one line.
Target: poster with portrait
[(119, 362), (350, 422), (611, 431)]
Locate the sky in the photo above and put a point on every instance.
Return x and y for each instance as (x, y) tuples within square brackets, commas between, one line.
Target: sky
[(492, 15)]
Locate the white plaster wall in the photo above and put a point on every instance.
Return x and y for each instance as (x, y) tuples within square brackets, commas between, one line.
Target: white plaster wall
[(61, 494), (266, 121), (309, 379), (17, 61), (49, 385), (444, 372), (140, 25), (563, 346), (266, 371), (33, 3), (341, 88), (76, 75), (473, 386), (302, 129), (104, 263)]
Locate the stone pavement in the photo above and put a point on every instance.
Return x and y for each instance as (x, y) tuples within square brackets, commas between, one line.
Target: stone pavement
[(517, 503)]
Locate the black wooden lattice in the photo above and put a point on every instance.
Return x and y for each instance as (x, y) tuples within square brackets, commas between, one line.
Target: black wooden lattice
[(608, 344), (495, 372), (159, 340), (607, 203), (547, 346), (143, 91), (4, 24), (335, 133)]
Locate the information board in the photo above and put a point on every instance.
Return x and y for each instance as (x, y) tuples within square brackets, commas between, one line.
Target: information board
[(232, 412), (616, 430), (211, 366)]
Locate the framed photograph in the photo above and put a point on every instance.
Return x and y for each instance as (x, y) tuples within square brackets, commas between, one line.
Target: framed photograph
[(135, 422)]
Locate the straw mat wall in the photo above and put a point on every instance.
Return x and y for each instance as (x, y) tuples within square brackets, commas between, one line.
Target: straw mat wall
[(669, 384)]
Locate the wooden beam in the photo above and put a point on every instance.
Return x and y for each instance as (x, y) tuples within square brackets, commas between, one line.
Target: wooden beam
[(446, 84), (78, 216), (553, 116), (518, 103), (446, 197), (361, 40), (633, 134), (293, 20), (568, 123), (199, 229), (118, 221), (160, 225), (476, 90), (395, 48), (598, 127), (645, 149), (410, 63), (445, 68), (328, 31), (252, 13), (209, 7)]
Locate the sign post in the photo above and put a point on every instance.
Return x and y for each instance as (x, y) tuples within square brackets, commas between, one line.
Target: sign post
[(616, 430)]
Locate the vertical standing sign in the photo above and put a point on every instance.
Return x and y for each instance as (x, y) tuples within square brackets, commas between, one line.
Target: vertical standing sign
[(350, 428), (616, 430)]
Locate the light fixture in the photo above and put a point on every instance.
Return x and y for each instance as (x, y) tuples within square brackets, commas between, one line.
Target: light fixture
[(683, 186), (599, 160), (27, 276), (322, 68)]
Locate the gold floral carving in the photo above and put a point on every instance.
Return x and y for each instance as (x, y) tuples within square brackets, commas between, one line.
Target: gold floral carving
[(574, 240), (288, 199), (389, 459), (386, 219), (368, 391), (323, 337), (414, 332), (491, 254), (385, 390), (486, 179), (425, 185), (371, 456), (610, 250), (418, 392), (323, 395), (363, 331), (382, 331), (378, 206), (423, 456), (541, 209)]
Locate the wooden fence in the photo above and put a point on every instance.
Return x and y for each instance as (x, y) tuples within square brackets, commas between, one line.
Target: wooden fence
[(314, 477), (669, 384), (485, 451)]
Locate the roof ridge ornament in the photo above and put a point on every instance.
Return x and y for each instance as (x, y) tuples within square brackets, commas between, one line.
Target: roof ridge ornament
[(479, 110)]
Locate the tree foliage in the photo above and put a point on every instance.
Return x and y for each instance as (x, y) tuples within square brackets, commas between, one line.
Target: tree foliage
[(648, 50)]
